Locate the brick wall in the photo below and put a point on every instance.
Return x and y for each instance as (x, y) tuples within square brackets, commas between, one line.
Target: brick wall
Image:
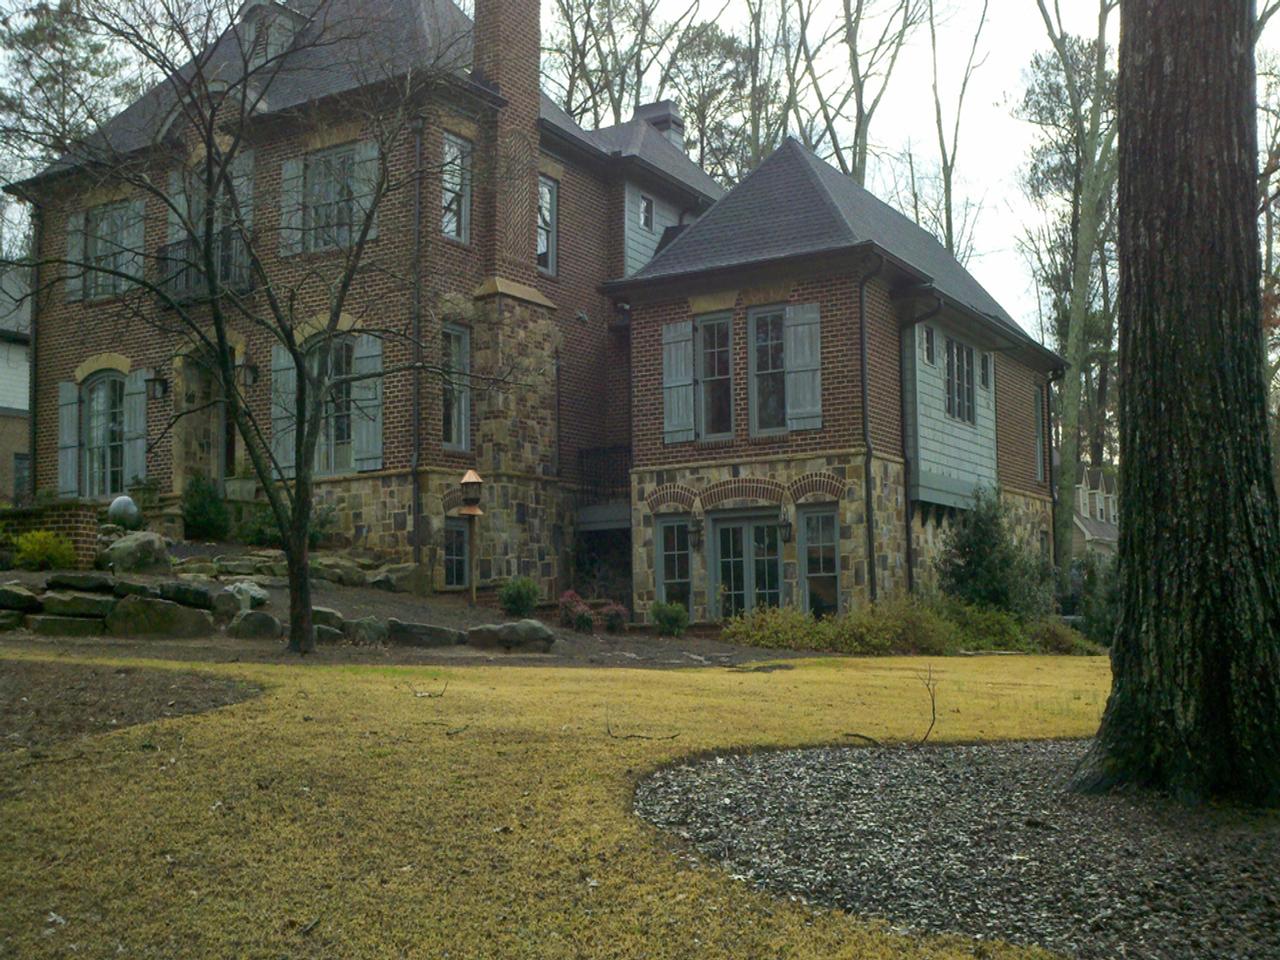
[(75, 520), (1018, 391)]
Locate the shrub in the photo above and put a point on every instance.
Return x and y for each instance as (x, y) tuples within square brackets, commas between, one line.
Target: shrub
[(1054, 636), (982, 628), (569, 601), (519, 596), (204, 511), (44, 550), (899, 625), (785, 628), (614, 616), (584, 620), (671, 619), (1100, 600), (259, 529)]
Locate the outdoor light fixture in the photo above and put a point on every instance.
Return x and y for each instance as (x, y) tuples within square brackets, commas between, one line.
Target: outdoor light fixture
[(784, 525), (695, 533), (246, 373), (157, 388), (471, 484)]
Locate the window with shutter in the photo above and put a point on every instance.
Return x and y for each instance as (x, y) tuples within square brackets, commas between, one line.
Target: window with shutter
[(802, 358), (715, 376), (768, 385), (677, 382), (68, 439)]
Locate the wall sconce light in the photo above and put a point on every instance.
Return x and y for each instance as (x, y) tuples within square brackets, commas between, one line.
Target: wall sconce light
[(695, 533), (246, 373), (157, 388), (785, 528), (471, 484)]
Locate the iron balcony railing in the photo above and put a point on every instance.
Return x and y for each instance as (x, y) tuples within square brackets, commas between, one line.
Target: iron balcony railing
[(182, 274), (605, 472)]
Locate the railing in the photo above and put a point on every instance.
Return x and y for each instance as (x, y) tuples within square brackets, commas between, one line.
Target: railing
[(605, 472), (182, 274)]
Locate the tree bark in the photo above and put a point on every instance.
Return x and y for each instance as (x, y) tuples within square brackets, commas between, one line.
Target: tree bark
[(1195, 706)]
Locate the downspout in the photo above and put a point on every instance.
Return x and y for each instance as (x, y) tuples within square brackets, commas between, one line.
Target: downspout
[(908, 511), (415, 411), (867, 473), (37, 231)]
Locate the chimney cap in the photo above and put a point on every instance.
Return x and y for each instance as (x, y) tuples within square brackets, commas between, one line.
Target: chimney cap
[(663, 114)]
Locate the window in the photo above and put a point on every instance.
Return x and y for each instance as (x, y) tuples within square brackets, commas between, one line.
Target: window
[(748, 565), (960, 381), (1096, 499), (985, 376), (455, 200), (106, 248), (768, 372), (928, 346), (1040, 467), (457, 553), (104, 436), (715, 377), (455, 360), (673, 562), (329, 209), (819, 552), (646, 212), (334, 450), (548, 224), (21, 477), (1113, 515)]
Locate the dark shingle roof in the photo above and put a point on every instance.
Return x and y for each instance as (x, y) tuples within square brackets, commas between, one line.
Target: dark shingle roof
[(795, 204)]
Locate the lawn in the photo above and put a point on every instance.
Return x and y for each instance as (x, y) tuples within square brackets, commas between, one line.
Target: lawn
[(346, 813)]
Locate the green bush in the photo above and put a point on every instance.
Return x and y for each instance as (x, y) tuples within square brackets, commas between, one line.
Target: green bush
[(569, 602), (982, 628), (44, 550), (258, 527), (1100, 600), (670, 619), (518, 597), (584, 621), (614, 616), (204, 511), (1054, 636)]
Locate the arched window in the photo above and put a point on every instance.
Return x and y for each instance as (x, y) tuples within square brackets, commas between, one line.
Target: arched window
[(103, 431)]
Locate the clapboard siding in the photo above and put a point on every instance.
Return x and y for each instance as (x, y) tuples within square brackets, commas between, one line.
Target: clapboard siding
[(642, 244)]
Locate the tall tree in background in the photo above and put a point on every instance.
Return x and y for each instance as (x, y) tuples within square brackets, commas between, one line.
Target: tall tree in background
[(1195, 706)]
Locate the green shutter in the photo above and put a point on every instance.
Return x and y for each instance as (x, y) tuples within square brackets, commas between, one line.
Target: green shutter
[(366, 403), (677, 382), (68, 439), (802, 357), (135, 242), (135, 426), (367, 174), (284, 386), (291, 225), (74, 269), (176, 215)]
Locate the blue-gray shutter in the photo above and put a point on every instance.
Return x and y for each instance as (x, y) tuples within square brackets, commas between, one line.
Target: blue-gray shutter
[(135, 241), (74, 269), (135, 426), (677, 382), (176, 230), (366, 402), (68, 439), (365, 188), (291, 225), (802, 357), (284, 386), (242, 183)]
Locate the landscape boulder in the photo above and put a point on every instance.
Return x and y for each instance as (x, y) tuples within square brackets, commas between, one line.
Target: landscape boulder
[(189, 593), (138, 552), (78, 604), (84, 582), (14, 596), (56, 626), (254, 625), (225, 606), (136, 616), (236, 566), (366, 632), (328, 634), (10, 619), (338, 570), (249, 594), (522, 635), (327, 617), (422, 634), (412, 578), (141, 588)]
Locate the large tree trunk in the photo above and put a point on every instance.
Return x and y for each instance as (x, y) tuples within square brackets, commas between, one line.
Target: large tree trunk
[(1195, 706)]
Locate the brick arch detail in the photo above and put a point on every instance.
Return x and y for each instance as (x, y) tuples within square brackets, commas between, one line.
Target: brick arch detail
[(676, 494), (761, 489), (826, 485), (450, 499)]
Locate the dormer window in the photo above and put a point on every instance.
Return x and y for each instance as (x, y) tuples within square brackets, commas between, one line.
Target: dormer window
[(272, 34), (646, 212)]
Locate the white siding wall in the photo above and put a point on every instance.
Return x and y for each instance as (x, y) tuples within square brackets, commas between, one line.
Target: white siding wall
[(641, 244), (13, 375)]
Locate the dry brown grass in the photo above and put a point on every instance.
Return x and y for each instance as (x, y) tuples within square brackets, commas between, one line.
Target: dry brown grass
[(339, 815)]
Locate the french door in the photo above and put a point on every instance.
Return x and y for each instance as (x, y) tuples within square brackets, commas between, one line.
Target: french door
[(747, 565)]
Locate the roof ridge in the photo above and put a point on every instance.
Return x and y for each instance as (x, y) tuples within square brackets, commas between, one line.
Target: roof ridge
[(810, 160)]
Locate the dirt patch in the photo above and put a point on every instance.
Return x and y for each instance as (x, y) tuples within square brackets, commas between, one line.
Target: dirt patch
[(43, 703)]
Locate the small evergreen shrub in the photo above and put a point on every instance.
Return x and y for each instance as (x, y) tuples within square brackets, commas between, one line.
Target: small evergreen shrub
[(569, 601), (984, 628), (670, 619), (518, 597), (584, 620), (614, 617), (204, 511), (258, 527), (786, 628), (1054, 636), (1100, 600), (44, 550)]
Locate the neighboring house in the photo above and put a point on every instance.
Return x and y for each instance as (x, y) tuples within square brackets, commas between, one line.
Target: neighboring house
[(776, 395), (15, 428), (1097, 516)]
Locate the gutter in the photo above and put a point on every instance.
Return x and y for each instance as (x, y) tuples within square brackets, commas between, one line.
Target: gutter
[(908, 510), (863, 375), (415, 309)]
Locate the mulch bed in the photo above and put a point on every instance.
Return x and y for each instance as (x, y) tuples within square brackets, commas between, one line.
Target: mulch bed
[(984, 841), (44, 703)]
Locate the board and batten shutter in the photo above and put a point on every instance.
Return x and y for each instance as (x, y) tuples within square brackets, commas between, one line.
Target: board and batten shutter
[(74, 268), (284, 386), (802, 353), (242, 185), (135, 425), (677, 382), (176, 214), (365, 189), (135, 241), (366, 403), (291, 177), (68, 439)]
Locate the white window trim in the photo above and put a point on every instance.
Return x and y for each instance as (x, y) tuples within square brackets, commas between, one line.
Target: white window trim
[(753, 315), (647, 203), (464, 214), (802, 554)]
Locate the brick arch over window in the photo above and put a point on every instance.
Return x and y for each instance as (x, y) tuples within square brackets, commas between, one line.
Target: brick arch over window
[(818, 487), (671, 494), (760, 489), (451, 499)]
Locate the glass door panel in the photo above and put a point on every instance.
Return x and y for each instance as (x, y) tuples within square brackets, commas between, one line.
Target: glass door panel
[(766, 557), (733, 570)]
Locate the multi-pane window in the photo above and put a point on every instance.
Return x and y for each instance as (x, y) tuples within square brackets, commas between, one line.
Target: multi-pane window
[(960, 381), (455, 361), (548, 224), (821, 574), (455, 198), (104, 436), (457, 553), (334, 451), (714, 381), (673, 562), (985, 378), (929, 354), (106, 248), (768, 372), (330, 213), (646, 212)]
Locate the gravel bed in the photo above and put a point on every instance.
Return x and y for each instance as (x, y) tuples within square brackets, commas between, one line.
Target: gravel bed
[(984, 841)]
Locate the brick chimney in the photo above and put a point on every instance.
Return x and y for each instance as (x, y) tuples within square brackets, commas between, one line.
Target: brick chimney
[(507, 57)]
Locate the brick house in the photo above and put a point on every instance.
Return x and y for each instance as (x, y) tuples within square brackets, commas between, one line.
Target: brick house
[(612, 270)]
